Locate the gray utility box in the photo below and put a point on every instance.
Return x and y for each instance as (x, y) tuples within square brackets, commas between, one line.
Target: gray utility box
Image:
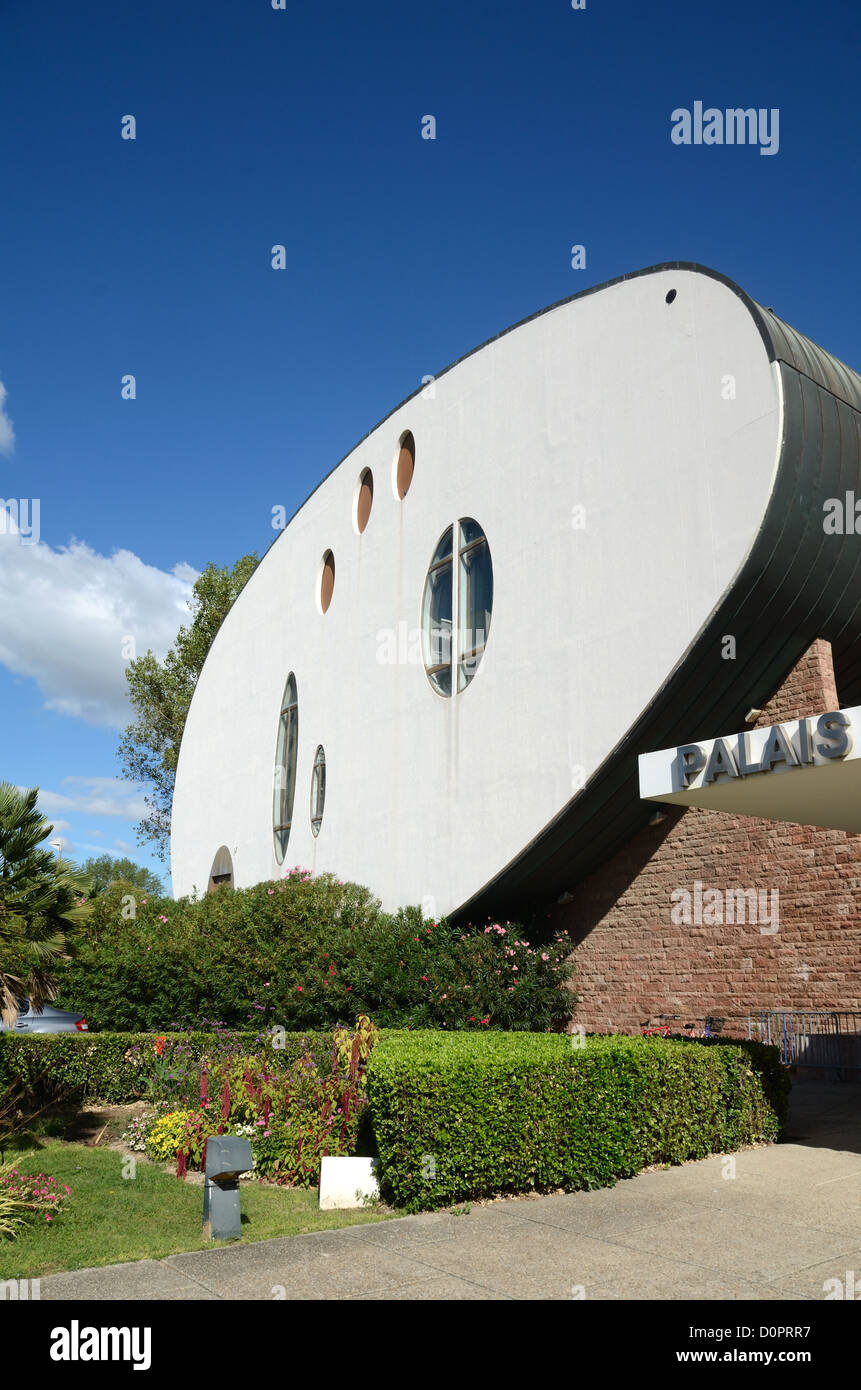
[(227, 1155)]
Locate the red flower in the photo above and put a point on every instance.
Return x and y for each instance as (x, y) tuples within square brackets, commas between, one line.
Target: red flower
[(159, 1045), (472, 1018), (349, 986), (299, 988)]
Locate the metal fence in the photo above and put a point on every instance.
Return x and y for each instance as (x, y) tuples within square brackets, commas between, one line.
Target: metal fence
[(824, 1040)]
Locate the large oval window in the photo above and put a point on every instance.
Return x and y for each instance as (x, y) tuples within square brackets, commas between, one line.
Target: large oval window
[(285, 768), (318, 790), (459, 581)]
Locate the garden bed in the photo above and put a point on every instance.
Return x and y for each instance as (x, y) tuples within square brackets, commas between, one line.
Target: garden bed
[(109, 1219)]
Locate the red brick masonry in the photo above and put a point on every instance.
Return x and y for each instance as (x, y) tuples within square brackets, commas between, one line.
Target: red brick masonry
[(633, 961)]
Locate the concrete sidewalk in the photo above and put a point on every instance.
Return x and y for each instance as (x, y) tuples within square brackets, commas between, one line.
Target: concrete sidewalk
[(789, 1220)]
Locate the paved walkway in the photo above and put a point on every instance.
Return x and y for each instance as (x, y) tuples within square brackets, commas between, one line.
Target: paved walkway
[(787, 1221)]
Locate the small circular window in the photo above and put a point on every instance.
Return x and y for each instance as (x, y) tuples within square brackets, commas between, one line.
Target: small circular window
[(405, 463), (459, 581), (364, 500), (318, 790), (327, 581)]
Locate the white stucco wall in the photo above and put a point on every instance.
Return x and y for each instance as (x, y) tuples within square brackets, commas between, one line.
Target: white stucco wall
[(614, 403)]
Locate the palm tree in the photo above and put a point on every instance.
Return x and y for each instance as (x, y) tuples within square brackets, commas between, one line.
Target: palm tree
[(42, 899)]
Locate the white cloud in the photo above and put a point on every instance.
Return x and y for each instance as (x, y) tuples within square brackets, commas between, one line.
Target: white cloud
[(7, 434), (70, 618), (108, 796)]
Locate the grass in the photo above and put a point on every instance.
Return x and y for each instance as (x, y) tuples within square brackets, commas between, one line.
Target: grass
[(109, 1219)]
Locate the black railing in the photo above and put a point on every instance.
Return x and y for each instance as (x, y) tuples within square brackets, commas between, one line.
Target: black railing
[(821, 1039)]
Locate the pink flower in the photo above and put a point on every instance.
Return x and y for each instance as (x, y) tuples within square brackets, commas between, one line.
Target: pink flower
[(299, 988), (269, 892), (544, 955), (514, 967)]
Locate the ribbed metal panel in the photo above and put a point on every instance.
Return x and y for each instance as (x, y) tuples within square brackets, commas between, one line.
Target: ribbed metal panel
[(791, 347)]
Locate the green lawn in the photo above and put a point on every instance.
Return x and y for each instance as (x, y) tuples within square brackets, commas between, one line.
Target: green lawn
[(109, 1219)]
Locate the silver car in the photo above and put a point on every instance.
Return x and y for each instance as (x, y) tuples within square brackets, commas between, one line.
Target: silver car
[(49, 1020)]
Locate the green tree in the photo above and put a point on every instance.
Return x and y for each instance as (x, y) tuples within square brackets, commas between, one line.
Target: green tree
[(104, 869), (42, 900), (160, 694)]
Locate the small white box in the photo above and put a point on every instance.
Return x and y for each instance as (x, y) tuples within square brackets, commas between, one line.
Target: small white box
[(347, 1182)]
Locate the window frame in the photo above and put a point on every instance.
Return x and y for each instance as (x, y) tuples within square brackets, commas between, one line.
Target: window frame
[(318, 790), (283, 796), (455, 559)]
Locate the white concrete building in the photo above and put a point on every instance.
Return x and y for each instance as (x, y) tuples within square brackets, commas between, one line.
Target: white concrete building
[(438, 679)]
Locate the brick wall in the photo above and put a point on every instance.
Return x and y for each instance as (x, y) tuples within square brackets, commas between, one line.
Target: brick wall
[(634, 962)]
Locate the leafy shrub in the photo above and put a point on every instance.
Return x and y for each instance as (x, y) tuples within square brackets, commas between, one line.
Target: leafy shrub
[(306, 953), (458, 1117), (119, 1067)]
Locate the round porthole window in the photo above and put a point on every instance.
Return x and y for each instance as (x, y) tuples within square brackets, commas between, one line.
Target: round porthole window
[(318, 790), (459, 582), (327, 581), (364, 500), (405, 464)]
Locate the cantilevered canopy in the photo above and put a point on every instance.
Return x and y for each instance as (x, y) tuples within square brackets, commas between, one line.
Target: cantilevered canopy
[(807, 771)]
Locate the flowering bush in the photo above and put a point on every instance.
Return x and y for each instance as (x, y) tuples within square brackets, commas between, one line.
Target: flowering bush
[(138, 1128), (308, 952), (294, 1118), (166, 1135), (26, 1196)]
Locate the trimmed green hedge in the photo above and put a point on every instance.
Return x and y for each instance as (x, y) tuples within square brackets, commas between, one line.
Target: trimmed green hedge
[(457, 1116), (116, 1067)]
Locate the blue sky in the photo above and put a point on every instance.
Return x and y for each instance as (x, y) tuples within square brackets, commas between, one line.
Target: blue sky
[(258, 127)]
